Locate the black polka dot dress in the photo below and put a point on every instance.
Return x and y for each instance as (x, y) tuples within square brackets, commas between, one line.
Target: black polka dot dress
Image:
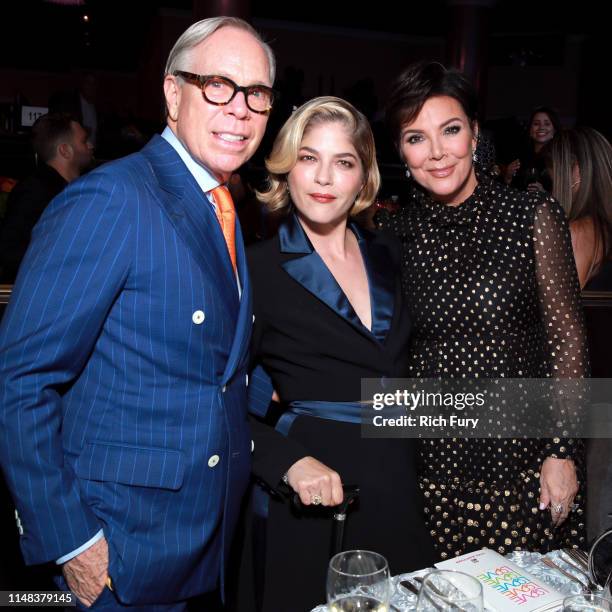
[(493, 293)]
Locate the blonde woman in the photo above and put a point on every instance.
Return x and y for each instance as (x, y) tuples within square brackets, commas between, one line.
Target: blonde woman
[(328, 312)]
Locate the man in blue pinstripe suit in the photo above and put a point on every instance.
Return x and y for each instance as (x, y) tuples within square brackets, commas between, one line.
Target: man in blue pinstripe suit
[(123, 352)]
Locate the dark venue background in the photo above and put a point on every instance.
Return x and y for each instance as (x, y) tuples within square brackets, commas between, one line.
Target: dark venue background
[(524, 54)]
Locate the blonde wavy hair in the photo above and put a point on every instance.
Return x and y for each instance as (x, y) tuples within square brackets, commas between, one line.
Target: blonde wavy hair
[(282, 159)]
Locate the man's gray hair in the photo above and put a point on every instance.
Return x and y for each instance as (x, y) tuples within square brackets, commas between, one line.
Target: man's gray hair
[(200, 31)]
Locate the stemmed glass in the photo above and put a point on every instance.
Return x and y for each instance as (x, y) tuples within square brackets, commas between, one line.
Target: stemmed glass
[(449, 590), (358, 580), (532, 176)]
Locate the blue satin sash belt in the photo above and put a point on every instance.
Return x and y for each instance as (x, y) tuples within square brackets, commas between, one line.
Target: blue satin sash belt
[(348, 412)]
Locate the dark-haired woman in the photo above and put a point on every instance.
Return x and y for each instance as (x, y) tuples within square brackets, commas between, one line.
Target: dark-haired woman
[(529, 171), (492, 291)]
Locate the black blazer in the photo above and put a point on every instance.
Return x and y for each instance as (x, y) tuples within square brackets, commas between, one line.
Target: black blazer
[(307, 336)]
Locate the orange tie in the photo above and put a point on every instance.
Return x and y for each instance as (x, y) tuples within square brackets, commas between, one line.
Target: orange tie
[(226, 214)]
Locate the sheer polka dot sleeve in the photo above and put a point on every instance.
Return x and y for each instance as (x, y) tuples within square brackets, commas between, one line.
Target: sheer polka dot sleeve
[(560, 304)]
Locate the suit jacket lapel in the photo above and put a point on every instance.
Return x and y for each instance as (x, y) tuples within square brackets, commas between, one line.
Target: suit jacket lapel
[(382, 281), (310, 271), (180, 192), (244, 324)]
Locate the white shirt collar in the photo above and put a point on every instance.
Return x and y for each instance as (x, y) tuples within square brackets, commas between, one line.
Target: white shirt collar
[(204, 178)]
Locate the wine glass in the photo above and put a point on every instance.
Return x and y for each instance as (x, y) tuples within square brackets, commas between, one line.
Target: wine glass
[(447, 590), (532, 175), (358, 580), (587, 601)]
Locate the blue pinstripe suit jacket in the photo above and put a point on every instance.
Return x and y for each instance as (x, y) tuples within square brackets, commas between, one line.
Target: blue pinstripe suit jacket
[(116, 399)]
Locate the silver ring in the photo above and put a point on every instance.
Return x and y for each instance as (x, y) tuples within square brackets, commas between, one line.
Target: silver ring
[(558, 508), (316, 500)]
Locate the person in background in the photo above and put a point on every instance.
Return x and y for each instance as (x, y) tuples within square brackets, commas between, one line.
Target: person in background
[(80, 103), (63, 153), (580, 163), (529, 171), (124, 436), (492, 292)]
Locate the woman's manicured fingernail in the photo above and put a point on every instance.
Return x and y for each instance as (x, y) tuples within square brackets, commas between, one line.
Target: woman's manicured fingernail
[(542, 506)]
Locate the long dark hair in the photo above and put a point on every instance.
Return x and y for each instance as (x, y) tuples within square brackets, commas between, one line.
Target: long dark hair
[(592, 153)]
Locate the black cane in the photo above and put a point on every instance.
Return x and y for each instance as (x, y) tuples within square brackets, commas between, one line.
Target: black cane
[(351, 493)]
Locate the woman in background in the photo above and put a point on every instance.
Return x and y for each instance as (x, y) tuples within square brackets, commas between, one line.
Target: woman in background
[(580, 162), (529, 171)]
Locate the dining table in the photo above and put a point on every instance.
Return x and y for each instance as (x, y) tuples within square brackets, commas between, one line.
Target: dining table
[(404, 599)]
